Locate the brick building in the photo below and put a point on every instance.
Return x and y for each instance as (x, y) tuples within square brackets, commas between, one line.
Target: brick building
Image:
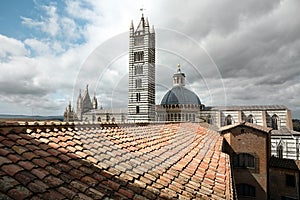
[(249, 148), (284, 179)]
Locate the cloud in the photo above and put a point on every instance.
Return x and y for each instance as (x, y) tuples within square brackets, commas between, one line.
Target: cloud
[(235, 53), (11, 47), (48, 24)]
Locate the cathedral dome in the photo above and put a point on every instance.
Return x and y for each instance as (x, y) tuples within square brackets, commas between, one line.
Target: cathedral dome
[(180, 95)]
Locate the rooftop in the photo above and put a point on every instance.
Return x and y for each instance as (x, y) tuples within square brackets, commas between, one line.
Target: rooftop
[(94, 161), (247, 124), (251, 107)]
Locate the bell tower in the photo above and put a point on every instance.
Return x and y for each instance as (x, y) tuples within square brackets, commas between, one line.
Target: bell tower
[(141, 89)]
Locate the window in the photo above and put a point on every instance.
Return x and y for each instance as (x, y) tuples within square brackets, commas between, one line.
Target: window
[(250, 119), (243, 160), (209, 119), (280, 151), (290, 180), (99, 119), (138, 83), (245, 190), (138, 69), (274, 122), (228, 120), (139, 56), (138, 97), (107, 117), (137, 109)]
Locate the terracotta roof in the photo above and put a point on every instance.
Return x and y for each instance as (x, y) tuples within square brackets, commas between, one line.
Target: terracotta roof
[(247, 124), (93, 161), (284, 131), (276, 162)]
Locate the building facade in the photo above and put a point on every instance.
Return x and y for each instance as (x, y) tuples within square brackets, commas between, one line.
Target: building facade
[(249, 148), (88, 111), (141, 88), (284, 179)]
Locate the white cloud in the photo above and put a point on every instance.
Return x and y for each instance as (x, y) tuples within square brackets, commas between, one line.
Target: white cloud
[(48, 24), (38, 47), (11, 47), (255, 45)]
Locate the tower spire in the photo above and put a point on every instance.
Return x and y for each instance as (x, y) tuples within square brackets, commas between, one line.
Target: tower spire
[(131, 25)]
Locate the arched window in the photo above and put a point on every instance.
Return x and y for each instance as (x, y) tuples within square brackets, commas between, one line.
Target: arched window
[(138, 83), (99, 119), (250, 119), (274, 122), (245, 190), (279, 151), (228, 120), (243, 160), (209, 119), (107, 117), (113, 119)]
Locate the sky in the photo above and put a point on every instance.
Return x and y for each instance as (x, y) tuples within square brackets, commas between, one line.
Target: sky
[(232, 52)]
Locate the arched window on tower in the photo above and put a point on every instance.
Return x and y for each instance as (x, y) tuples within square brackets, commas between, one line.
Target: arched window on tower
[(228, 120), (274, 122), (250, 119), (279, 150), (138, 83)]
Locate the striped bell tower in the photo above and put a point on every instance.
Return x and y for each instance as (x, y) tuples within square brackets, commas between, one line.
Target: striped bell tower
[(141, 89)]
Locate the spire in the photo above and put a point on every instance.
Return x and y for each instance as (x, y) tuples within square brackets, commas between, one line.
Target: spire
[(141, 25), (147, 22), (178, 68), (131, 25), (152, 29), (86, 100), (79, 100), (69, 107), (95, 102)]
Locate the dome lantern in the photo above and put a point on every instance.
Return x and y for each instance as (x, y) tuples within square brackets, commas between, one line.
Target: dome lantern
[(179, 78)]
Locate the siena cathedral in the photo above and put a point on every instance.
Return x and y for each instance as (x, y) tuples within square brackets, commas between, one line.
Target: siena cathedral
[(180, 104)]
